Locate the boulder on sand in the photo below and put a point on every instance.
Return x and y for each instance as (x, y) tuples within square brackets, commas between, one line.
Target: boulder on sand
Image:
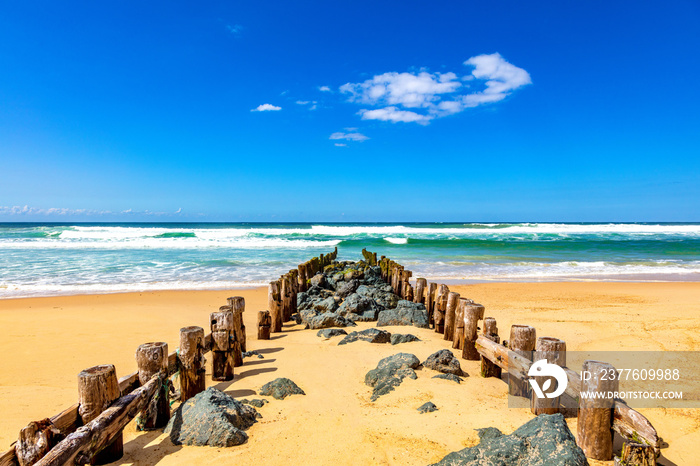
[(280, 389), (372, 335), (211, 418), (444, 361), (390, 372), (405, 313)]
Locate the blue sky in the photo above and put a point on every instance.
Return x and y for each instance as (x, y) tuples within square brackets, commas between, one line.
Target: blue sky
[(390, 111)]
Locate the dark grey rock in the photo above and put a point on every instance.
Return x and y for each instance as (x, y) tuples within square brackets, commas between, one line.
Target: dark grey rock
[(280, 389), (443, 361), (328, 320), (248, 354), (359, 308), (390, 372), (328, 304), (397, 338), (383, 296), (257, 402), (373, 276), (544, 441), (428, 407), (331, 332), (318, 280), (406, 313), (211, 418), (372, 335), (451, 377), (346, 289)]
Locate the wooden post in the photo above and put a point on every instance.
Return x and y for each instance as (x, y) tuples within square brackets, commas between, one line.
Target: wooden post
[(458, 334), (222, 358), (488, 368), (440, 305), (98, 387), (285, 297), (35, 441), (636, 454), (237, 304), (430, 302), (595, 414), (152, 359), (554, 351), (192, 362), (234, 344), (409, 291), (264, 323), (522, 341), (473, 312), (273, 302), (301, 278), (450, 312), (418, 296)]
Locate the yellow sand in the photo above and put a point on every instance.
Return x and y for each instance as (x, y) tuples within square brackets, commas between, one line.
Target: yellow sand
[(47, 341)]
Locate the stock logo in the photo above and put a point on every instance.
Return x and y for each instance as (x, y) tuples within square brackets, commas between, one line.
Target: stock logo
[(542, 368)]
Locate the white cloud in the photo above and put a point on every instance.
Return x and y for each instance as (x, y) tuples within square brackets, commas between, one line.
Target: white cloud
[(395, 115), (62, 211), (340, 144), (302, 102), (324, 88), (266, 108), (357, 137), (435, 95)]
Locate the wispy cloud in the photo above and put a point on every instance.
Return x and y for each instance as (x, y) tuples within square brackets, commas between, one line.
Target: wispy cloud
[(235, 29), (423, 96), (266, 108), (340, 144), (357, 137), (23, 211), (311, 103), (324, 89)]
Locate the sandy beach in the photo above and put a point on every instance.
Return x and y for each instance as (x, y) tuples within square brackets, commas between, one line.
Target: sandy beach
[(47, 341)]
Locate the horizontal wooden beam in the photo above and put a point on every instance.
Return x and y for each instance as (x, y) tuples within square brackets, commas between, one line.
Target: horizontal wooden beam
[(627, 422)]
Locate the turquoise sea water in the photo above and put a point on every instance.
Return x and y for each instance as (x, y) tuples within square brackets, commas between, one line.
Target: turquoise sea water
[(51, 259)]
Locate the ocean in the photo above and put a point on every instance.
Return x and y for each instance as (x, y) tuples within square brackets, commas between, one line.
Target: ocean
[(57, 259)]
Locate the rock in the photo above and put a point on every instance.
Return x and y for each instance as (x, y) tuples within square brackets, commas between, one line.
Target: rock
[(543, 441), (280, 389), (372, 335), (318, 280), (390, 372), (406, 313), (373, 276), (397, 338), (315, 298), (328, 320), (248, 354), (451, 377), (257, 402), (443, 361), (325, 305), (382, 296), (428, 407), (346, 289), (359, 308), (331, 332), (211, 418)]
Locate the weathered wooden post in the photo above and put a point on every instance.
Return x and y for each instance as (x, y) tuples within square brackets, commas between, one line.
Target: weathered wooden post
[(301, 277), (192, 362), (430, 302), (458, 334), (273, 303), (488, 368), (595, 414), (221, 356), (554, 351), (522, 341), (264, 323), (418, 296), (636, 454), (286, 297), (36, 440), (234, 344), (237, 304), (152, 359), (473, 312), (450, 312), (409, 291), (98, 387), (440, 305)]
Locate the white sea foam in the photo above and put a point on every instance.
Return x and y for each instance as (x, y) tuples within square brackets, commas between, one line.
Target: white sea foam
[(397, 240)]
